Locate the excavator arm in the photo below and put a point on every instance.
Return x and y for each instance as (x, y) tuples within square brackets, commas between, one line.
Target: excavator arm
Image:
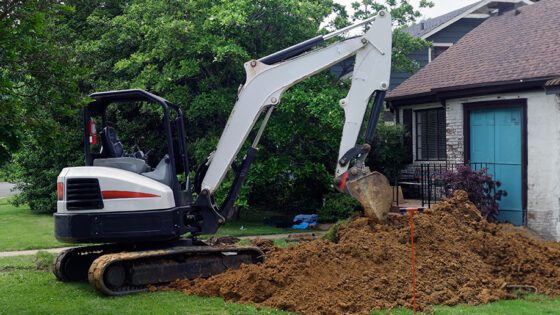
[(269, 77)]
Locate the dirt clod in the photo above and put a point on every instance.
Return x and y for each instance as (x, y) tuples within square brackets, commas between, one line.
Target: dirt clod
[(460, 258), (223, 240), (265, 245)]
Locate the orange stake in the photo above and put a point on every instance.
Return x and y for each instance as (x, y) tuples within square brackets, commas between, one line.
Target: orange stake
[(411, 212), (412, 259)]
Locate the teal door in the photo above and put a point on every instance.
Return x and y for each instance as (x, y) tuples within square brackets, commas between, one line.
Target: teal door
[(495, 143)]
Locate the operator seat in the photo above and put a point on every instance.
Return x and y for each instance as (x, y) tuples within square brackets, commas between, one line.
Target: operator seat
[(114, 150), (111, 143)]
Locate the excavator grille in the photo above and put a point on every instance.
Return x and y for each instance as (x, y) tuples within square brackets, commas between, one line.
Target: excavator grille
[(83, 194)]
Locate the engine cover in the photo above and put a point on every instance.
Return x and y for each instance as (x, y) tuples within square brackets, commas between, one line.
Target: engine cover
[(92, 189), (102, 204)]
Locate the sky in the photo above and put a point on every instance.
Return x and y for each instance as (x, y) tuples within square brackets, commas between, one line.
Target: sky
[(440, 6)]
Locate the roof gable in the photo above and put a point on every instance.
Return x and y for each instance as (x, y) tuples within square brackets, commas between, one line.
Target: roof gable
[(429, 27), (519, 45)]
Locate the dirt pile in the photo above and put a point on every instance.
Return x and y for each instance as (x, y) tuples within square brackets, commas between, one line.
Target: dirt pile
[(460, 258)]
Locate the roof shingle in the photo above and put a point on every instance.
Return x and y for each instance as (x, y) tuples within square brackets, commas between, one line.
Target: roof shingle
[(518, 45)]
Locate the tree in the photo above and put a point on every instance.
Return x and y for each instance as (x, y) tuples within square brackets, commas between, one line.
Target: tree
[(403, 14), (193, 54), (17, 22), (40, 97), (190, 52)]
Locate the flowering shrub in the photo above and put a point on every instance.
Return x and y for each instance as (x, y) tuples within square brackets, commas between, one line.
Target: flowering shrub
[(482, 189)]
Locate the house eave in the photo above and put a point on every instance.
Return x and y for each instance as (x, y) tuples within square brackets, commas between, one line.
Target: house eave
[(479, 89), (413, 99), (490, 88)]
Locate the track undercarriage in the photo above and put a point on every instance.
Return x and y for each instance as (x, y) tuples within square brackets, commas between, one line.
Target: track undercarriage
[(125, 269)]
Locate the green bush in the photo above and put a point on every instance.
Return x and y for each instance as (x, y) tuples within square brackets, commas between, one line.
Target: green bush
[(389, 152), (36, 167), (337, 206)]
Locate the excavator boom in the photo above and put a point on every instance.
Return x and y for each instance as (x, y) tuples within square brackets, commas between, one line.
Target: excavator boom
[(269, 77)]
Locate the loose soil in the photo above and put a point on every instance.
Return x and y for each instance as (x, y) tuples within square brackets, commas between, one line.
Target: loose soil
[(460, 258)]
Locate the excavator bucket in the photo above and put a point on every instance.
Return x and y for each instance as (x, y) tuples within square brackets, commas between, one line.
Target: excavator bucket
[(374, 192)]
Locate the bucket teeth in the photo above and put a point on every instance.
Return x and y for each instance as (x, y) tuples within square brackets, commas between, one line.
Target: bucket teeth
[(374, 192)]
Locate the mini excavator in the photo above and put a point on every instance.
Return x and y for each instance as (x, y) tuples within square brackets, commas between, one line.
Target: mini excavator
[(147, 219)]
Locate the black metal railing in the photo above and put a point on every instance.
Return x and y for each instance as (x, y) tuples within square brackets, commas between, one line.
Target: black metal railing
[(426, 181)]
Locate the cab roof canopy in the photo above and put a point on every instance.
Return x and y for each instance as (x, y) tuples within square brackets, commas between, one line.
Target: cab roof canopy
[(103, 99)]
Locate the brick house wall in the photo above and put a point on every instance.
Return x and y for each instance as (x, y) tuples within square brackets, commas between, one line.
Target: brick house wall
[(454, 133)]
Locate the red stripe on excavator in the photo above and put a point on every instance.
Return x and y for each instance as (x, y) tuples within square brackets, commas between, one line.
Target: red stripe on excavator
[(343, 181), (121, 194)]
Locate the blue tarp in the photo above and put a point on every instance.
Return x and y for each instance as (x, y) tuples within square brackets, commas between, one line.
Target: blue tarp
[(305, 221)]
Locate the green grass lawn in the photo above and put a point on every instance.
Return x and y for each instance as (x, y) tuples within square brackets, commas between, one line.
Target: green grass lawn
[(250, 222), (248, 228), (22, 229), (25, 289)]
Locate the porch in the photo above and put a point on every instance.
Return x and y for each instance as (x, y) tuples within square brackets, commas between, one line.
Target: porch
[(422, 185)]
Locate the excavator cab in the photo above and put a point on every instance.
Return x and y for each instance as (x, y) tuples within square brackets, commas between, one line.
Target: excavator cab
[(124, 194), (111, 151)]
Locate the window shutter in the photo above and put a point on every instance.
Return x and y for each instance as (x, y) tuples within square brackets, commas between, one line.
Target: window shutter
[(442, 132), (407, 122)]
